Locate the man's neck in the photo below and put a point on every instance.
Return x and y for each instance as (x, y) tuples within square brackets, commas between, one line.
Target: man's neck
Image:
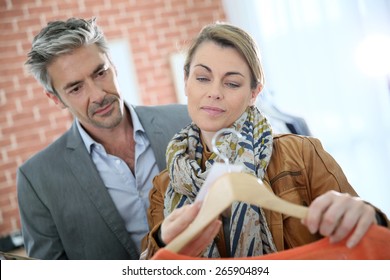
[(115, 137), (119, 141)]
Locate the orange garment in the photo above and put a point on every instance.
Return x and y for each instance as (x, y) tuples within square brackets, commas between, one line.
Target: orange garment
[(375, 245)]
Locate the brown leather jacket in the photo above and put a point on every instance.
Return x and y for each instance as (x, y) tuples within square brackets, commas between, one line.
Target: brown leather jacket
[(299, 171)]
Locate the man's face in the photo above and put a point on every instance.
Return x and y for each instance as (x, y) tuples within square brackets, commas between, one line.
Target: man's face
[(86, 83)]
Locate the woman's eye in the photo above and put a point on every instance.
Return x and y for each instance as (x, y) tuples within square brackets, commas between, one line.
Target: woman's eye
[(202, 79), (232, 85)]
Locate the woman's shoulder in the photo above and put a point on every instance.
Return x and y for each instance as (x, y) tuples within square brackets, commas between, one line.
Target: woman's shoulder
[(161, 181), (290, 141), (295, 148), (289, 137)]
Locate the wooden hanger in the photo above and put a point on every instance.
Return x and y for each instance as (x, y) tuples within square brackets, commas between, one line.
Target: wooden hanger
[(228, 188)]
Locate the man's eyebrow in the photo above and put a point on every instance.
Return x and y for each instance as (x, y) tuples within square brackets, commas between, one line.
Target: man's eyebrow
[(71, 84), (99, 68), (226, 74), (74, 83)]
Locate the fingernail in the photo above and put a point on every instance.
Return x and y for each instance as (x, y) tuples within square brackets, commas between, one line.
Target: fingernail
[(350, 244), (196, 204)]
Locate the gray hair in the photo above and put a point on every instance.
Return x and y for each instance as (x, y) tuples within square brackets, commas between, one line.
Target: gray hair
[(58, 38)]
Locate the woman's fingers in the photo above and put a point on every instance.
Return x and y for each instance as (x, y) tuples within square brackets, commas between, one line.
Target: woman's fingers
[(177, 221), (337, 215), (200, 242)]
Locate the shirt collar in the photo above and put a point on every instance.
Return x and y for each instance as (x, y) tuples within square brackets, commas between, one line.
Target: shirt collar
[(89, 142)]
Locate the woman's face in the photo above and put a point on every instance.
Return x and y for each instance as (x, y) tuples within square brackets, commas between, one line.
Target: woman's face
[(218, 87)]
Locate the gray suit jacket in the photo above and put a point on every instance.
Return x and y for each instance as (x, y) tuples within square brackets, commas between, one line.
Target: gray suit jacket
[(66, 211)]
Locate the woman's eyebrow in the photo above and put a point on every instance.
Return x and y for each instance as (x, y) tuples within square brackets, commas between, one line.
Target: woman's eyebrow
[(226, 74)]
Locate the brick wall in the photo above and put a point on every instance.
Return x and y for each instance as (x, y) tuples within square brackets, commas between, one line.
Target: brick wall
[(29, 122)]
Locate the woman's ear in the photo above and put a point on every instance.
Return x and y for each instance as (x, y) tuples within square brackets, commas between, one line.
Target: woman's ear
[(254, 93), (185, 77)]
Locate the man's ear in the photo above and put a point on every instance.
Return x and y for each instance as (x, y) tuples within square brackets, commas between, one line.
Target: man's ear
[(56, 100)]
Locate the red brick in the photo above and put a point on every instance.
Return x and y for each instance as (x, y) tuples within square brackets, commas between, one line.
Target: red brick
[(4, 143), (12, 37), (6, 84), (40, 99), (4, 192), (34, 11), (9, 15), (3, 179), (26, 124), (154, 29), (65, 5), (23, 138)]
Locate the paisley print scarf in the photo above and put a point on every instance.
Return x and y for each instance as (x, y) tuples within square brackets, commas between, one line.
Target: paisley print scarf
[(249, 232)]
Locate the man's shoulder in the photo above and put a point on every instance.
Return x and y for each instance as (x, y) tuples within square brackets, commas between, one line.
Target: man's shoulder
[(172, 114), (162, 109)]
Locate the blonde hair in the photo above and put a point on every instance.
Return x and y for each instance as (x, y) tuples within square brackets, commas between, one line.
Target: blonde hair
[(227, 35)]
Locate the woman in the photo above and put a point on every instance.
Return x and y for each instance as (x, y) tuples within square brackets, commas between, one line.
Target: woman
[(223, 77)]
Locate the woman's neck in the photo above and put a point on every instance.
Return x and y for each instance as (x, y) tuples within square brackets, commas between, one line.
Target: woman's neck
[(207, 137)]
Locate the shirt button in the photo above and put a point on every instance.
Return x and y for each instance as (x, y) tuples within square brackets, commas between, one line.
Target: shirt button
[(117, 161)]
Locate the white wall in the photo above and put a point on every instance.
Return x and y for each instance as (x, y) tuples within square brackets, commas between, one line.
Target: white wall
[(120, 53), (313, 70)]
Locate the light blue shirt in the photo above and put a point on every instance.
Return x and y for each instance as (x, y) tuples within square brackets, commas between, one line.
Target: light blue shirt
[(130, 193)]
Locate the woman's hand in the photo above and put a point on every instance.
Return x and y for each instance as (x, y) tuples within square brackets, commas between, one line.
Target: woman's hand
[(336, 215), (179, 220)]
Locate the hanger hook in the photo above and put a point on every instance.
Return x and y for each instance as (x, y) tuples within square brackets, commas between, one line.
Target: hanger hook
[(214, 142)]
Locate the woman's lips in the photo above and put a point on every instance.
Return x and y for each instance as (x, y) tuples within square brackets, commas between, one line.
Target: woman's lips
[(214, 111)]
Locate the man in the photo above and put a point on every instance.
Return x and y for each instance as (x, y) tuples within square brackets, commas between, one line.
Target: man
[(86, 195)]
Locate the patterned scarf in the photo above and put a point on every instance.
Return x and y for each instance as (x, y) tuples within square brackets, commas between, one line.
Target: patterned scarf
[(249, 232)]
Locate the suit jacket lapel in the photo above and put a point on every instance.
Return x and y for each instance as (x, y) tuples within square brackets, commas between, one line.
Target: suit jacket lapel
[(161, 123), (81, 164), (155, 134)]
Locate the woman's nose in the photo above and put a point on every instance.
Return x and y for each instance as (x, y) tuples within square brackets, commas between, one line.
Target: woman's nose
[(215, 91)]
